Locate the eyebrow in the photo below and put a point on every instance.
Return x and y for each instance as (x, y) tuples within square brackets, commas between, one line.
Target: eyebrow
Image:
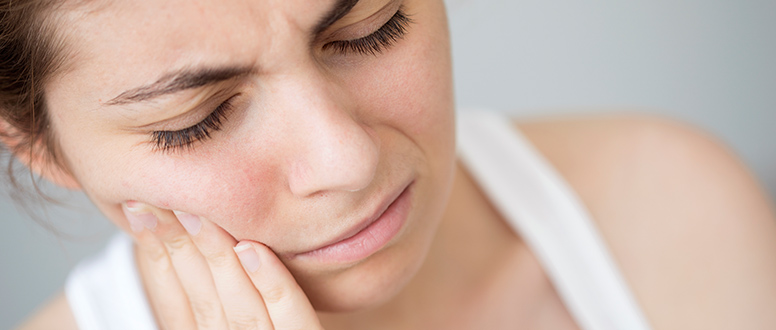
[(340, 9), (178, 81), (193, 78)]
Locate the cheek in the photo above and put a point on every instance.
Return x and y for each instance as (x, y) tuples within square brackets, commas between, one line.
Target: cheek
[(221, 187), (224, 188), (411, 87)]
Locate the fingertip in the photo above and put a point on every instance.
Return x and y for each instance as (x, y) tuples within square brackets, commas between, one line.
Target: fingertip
[(139, 216), (136, 226), (286, 302), (134, 206), (248, 256), (190, 222)]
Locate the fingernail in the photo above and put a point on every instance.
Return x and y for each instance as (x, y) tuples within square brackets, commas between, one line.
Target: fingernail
[(248, 256), (138, 217), (190, 222)]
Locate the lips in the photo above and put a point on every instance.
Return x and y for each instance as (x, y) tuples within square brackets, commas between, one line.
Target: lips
[(368, 236)]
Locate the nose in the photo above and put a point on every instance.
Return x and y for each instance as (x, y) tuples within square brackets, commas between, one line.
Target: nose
[(334, 151)]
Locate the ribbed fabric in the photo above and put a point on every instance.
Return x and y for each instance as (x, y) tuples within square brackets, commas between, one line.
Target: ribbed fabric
[(548, 215)]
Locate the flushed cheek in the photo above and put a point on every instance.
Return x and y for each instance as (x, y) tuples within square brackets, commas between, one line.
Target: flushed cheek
[(228, 191)]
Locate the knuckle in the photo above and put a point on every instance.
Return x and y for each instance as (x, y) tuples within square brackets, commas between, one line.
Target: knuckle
[(218, 259), (179, 242), (207, 313), (274, 295), (244, 322), (155, 255)]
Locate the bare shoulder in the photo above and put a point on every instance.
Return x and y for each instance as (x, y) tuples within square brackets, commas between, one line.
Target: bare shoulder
[(693, 232), (55, 314)]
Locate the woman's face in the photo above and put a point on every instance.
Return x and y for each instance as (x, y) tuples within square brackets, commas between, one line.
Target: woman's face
[(258, 117)]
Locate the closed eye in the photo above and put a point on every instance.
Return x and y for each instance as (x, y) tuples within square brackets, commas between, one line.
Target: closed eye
[(167, 141), (375, 43)]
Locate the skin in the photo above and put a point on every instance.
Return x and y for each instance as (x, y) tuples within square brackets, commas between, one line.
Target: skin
[(315, 142), (316, 136)]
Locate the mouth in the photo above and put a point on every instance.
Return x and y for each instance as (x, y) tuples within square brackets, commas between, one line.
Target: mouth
[(369, 236)]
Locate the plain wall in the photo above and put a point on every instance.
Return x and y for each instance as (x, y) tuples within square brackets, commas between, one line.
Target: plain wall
[(709, 63)]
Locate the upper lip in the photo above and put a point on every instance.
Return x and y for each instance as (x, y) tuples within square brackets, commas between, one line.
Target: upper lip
[(361, 225)]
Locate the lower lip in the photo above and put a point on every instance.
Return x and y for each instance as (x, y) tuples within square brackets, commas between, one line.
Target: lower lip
[(369, 240)]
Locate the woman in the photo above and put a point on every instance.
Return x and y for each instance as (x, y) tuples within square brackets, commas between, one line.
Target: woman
[(292, 165)]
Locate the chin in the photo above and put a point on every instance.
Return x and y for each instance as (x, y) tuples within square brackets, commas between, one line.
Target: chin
[(365, 285)]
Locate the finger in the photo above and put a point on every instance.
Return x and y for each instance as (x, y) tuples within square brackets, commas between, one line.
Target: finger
[(286, 303), (241, 302), (167, 298), (191, 268)]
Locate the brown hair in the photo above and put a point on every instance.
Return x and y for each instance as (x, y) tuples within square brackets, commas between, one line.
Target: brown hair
[(30, 54)]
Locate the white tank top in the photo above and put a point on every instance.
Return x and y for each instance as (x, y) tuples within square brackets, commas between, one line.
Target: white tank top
[(105, 292)]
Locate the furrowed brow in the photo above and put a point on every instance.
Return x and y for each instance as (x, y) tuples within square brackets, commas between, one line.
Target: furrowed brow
[(179, 81), (340, 9), (192, 78)]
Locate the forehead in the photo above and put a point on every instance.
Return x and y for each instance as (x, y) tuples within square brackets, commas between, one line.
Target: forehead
[(124, 42), (177, 26)]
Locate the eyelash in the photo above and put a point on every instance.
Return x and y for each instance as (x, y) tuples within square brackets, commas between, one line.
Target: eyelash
[(174, 140), (375, 43)]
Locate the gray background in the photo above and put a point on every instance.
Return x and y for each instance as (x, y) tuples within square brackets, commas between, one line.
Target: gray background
[(710, 63)]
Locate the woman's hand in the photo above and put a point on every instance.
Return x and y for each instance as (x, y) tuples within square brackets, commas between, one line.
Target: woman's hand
[(199, 277)]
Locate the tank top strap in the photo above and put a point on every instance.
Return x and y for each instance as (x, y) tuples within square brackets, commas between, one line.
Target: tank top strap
[(548, 215)]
